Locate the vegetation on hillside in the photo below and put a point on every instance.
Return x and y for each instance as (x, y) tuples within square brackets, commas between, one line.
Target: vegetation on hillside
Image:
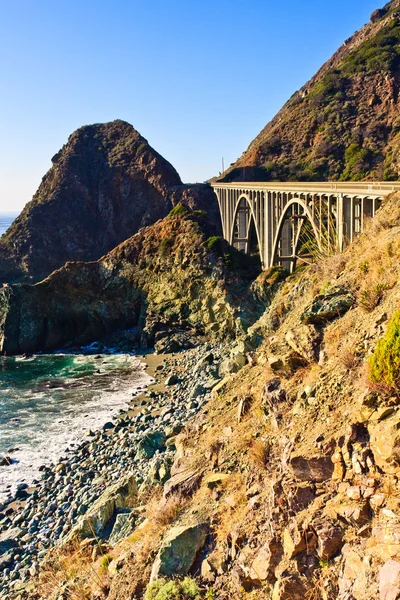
[(345, 124)]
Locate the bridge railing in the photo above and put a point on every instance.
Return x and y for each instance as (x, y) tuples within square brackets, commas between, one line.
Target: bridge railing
[(348, 187)]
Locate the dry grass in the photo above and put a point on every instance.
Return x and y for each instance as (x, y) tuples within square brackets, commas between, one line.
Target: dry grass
[(162, 512), (348, 357), (259, 453), (72, 567)]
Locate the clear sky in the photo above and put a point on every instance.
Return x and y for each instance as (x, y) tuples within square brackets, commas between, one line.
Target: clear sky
[(198, 78)]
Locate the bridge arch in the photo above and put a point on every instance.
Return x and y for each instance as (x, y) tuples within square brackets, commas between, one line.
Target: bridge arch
[(288, 233), (244, 226)]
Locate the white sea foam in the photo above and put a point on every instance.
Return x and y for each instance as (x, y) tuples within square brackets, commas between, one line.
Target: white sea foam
[(59, 423)]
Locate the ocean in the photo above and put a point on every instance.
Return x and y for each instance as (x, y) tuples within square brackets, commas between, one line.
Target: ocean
[(49, 401), (5, 221)]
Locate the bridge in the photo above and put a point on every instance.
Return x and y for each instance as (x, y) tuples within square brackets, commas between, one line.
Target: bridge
[(289, 222)]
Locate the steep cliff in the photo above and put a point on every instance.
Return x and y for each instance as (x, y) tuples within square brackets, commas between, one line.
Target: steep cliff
[(344, 123), (105, 184)]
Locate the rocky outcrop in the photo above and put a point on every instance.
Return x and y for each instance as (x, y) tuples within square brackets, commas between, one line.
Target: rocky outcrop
[(105, 184), (162, 280)]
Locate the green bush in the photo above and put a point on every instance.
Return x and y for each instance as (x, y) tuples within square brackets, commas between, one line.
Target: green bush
[(165, 246), (381, 53), (179, 211), (173, 590), (384, 364), (105, 561)]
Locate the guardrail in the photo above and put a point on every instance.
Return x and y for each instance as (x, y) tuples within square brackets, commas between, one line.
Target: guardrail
[(377, 187)]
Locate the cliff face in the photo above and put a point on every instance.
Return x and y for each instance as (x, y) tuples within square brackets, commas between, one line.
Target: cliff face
[(344, 123), (164, 279), (105, 184)]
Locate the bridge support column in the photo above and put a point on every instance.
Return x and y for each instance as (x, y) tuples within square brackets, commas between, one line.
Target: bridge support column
[(339, 222)]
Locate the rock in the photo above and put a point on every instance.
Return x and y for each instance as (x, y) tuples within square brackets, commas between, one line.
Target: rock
[(357, 513), (385, 443), (215, 480), (203, 363), (172, 380), (197, 390), (207, 572), (150, 443), (106, 183), (330, 538), (9, 539), (293, 587), (305, 341), (120, 495), (265, 562), (300, 497), (175, 342), (389, 580), (123, 526), (317, 469), (378, 14), (295, 540), (328, 306), (6, 558), (243, 407), (184, 481), (178, 550)]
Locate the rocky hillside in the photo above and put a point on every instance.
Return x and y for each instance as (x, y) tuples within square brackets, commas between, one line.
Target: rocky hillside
[(168, 277), (285, 485), (105, 184), (344, 123)]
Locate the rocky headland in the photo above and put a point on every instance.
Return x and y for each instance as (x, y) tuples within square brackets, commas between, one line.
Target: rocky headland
[(105, 184)]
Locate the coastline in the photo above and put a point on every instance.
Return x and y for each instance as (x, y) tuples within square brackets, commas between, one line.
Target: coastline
[(137, 440)]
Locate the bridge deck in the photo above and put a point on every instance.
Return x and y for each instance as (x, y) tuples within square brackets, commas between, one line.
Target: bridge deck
[(269, 215)]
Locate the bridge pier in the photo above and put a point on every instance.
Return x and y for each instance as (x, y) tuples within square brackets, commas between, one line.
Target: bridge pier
[(275, 219)]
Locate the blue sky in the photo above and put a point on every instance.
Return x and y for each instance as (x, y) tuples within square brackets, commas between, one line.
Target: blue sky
[(198, 79)]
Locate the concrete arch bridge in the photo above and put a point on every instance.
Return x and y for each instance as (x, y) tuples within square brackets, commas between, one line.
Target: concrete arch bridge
[(289, 222)]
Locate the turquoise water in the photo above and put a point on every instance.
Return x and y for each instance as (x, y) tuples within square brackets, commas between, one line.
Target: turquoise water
[(5, 221), (48, 402)]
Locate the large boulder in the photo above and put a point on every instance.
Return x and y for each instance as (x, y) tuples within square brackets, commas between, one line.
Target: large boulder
[(179, 549), (385, 443), (100, 516), (328, 305)]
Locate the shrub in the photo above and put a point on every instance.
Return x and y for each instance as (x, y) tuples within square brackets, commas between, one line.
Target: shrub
[(371, 296), (173, 590), (165, 246), (179, 211), (384, 364), (105, 561)]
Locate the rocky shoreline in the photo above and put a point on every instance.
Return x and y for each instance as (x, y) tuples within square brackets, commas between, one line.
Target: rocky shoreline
[(139, 441)]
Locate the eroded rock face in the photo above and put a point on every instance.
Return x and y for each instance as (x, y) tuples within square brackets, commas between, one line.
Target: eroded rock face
[(385, 443), (162, 279)]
